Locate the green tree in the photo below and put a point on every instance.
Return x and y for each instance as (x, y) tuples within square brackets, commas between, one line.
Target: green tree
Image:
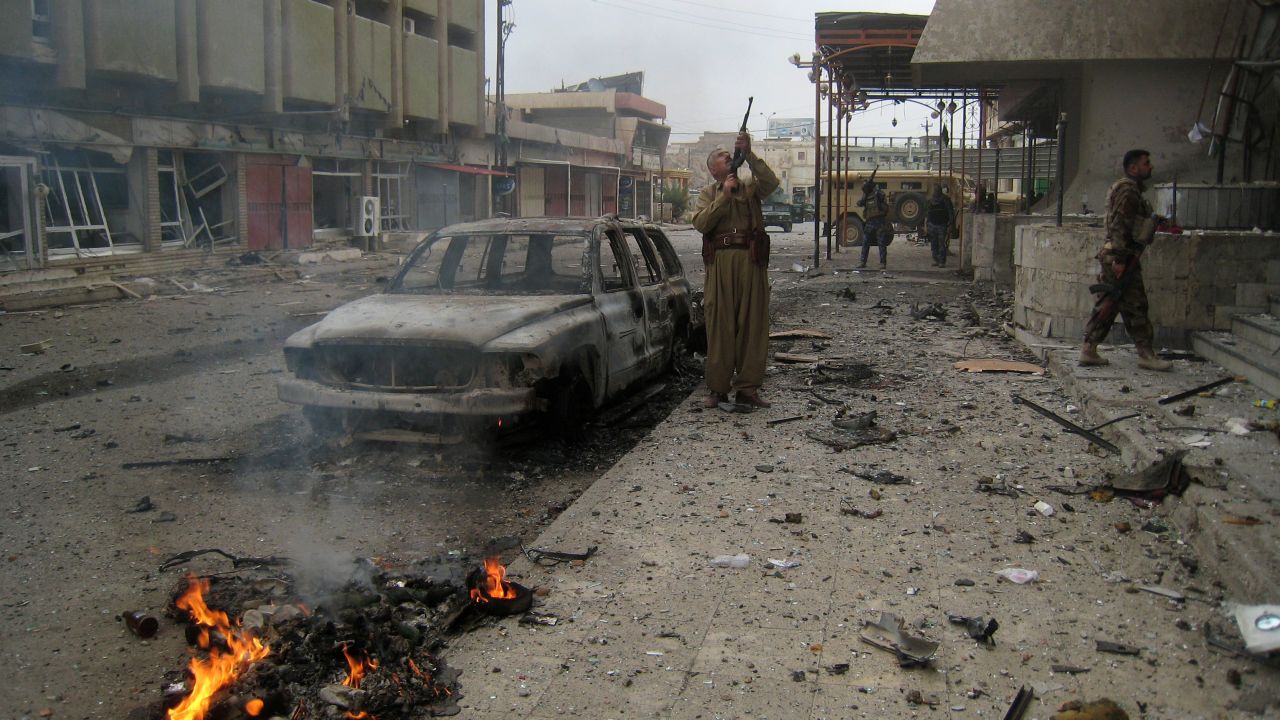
[(677, 198)]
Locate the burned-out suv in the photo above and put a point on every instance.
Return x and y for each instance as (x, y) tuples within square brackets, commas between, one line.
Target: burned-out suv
[(492, 322)]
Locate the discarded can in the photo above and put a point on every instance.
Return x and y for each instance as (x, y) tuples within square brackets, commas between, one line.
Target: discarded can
[(1268, 404), (140, 623)]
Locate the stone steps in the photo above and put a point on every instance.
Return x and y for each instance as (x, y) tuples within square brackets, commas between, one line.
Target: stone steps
[(1241, 357)]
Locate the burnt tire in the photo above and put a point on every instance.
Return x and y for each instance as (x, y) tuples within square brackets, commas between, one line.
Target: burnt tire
[(909, 209), (852, 231), (569, 407)]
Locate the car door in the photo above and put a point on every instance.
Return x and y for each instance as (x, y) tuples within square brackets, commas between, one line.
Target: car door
[(656, 293), (621, 305)]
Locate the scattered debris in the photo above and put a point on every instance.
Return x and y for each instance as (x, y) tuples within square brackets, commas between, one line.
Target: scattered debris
[(1044, 508), (838, 669), (793, 518), (915, 697), (1115, 648), (845, 373), (140, 623), (847, 293), (887, 634), (1195, 390), (881, 305), (783, 564), (1097, 710), (964, 582), (977, 628), (1185, 411), (880, 477), (931, 311), (995, 365), (1019, 576), (1173, 595), (865, 514), (799, 333), (1167, 476), (1241, 520), (237, 562), (1024, 538), (781, 420), (144, 504), (1259, 626), (1086, 433), (36, 348), (1069, 669), (795, 358), (1021, 703), (555, 557), (739, 561), (177, 461)]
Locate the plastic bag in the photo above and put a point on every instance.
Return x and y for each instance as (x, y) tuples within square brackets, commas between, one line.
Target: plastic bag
[(1019, 576)]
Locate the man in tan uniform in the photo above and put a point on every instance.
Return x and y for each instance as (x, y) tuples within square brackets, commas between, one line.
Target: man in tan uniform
[(736, 252)]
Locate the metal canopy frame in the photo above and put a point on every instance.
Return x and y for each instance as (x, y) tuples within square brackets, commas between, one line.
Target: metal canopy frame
[(859, 60)]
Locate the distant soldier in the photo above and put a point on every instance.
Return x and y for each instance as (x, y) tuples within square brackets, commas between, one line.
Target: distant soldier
[(1130, 227), (939, 217), (875, 224)]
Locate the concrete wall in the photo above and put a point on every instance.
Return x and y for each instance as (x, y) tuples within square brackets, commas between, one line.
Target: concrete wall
[(464, 66), (1194, 281), (1138, 104), (232, 45), (991, 242), (422, 91), (133, 37), (308, 51)]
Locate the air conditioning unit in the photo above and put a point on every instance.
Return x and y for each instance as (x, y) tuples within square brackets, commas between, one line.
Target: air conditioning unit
[(366, 217), (408, 26)]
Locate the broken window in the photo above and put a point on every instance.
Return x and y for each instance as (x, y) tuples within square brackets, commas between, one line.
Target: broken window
[(390, 176), (612, 254), (16, 245), (41, 30), (88, 192), (642, 258), (517, 264), (332, 184), (191, 186)]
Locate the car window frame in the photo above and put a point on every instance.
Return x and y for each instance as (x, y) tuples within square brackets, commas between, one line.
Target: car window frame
[(606, 233), (671, 264), (647, 250)]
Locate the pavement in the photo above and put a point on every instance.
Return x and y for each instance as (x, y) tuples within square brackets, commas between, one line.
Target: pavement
[(648, 627)]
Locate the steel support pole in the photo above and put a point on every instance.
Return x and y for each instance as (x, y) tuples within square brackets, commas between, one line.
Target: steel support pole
[(833, 225), (817, 164), (1061, 172)]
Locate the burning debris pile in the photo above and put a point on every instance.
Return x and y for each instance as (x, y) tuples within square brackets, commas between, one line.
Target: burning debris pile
[(369, 650)]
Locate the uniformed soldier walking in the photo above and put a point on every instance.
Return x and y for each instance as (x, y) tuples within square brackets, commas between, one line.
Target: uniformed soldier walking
[(1130, 228), (735, 250)]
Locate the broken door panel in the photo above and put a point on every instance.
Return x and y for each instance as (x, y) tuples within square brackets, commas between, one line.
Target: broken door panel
[(18, 250)]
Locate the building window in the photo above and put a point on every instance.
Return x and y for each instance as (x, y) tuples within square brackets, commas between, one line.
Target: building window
[(800, 156), (40, 28), (388, 175)]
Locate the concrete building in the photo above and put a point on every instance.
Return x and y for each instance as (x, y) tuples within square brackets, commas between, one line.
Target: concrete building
[(618, 176), (171, 127), (1197, 89)]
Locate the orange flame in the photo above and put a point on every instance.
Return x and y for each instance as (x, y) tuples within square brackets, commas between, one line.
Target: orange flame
[(494, 584), (221, 668), (358, 668), (254, 707)]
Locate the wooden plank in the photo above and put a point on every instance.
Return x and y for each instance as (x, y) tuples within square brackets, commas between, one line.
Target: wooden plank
[(800, 333)]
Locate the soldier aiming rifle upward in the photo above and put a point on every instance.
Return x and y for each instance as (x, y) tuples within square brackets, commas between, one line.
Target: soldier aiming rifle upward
[(735, 249), (875, 225)]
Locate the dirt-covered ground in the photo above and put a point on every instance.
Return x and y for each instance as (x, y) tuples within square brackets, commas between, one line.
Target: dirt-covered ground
[(192, 375)]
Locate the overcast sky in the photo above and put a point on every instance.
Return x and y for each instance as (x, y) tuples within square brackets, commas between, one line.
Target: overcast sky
[(701, 58)]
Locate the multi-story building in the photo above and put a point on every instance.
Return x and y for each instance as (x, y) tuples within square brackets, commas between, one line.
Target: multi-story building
[(163, 126), (553, 178)]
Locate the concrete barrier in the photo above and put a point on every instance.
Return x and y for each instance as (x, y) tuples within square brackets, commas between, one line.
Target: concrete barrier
[(1191, 279)]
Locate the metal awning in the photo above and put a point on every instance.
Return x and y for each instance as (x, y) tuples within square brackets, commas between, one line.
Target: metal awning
[(468, 169), (870, 51)]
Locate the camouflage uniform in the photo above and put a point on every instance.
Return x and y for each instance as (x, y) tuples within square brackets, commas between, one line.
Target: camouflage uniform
[(1126, 211), (736, 303)]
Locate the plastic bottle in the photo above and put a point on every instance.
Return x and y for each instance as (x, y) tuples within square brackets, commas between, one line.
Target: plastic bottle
[(1267, 404), (739, 561)]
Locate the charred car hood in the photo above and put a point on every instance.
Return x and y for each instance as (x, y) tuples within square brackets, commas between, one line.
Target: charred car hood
[(466, 319)]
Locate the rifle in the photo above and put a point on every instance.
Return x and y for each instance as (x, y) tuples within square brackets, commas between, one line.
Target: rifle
[(1109, 304), (739, 156), (870, 184)]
